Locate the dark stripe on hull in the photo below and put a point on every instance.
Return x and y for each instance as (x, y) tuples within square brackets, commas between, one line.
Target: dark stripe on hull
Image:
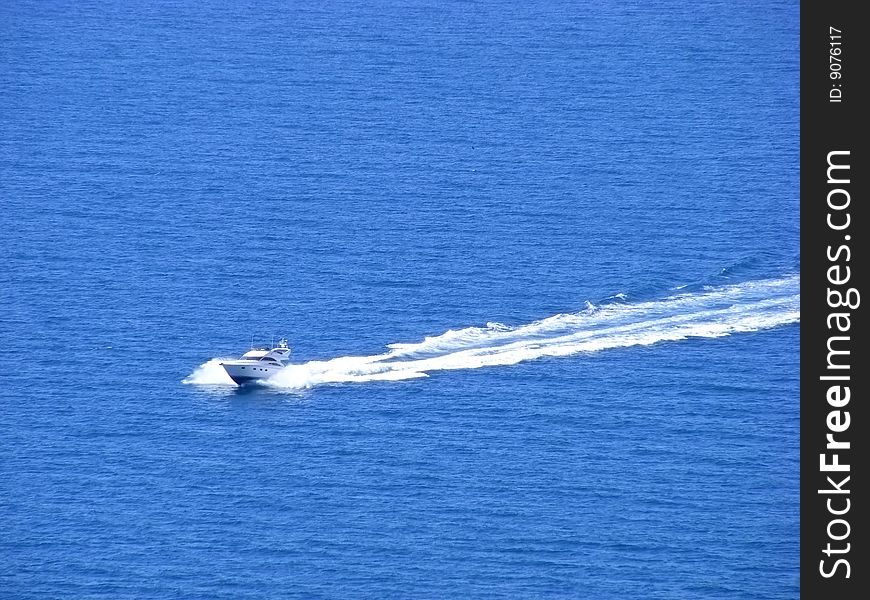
[(243, 380)]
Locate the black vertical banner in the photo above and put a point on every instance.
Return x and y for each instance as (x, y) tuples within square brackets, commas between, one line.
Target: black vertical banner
[(834, 226)]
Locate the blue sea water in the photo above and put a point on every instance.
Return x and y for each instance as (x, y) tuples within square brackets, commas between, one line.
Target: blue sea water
[(575, 226)]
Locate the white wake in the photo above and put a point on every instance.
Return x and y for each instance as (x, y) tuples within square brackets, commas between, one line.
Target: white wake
[(713, 312)]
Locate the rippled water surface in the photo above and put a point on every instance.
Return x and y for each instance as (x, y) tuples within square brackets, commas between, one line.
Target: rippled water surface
[(538, 264)]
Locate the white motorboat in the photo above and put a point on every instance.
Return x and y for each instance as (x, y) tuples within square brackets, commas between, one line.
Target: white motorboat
[(258, 363)]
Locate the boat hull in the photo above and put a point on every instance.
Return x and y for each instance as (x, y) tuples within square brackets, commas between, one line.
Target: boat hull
[(248, 372)]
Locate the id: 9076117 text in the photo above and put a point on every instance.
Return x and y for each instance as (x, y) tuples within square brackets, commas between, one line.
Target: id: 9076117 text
[(835, 64)]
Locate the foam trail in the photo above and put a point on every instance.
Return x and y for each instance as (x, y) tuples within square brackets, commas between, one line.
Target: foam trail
[(210, 373), (713, 312)]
